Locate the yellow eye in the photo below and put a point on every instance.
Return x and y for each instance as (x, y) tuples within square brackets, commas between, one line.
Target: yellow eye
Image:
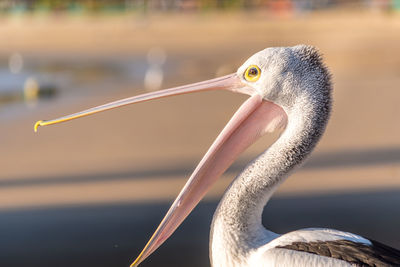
[(252, 73)]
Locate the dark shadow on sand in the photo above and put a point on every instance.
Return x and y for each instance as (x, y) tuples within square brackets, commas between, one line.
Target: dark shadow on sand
[(112, 235), (356, 157)]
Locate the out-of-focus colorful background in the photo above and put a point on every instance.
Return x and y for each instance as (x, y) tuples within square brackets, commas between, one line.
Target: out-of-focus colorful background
[(91, 192)]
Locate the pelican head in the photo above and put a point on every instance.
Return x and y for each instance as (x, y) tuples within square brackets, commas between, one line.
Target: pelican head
[(287, 74), (276, 82)]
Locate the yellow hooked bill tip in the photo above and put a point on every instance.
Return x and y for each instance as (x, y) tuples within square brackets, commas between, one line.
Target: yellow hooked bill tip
[(37, 124)]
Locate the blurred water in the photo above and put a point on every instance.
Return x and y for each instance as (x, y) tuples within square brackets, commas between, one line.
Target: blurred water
[(48, 78), (112, 235), (10, 82)]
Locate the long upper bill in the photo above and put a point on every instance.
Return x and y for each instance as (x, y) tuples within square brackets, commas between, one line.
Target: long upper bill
[(253, 119), (229, 82)]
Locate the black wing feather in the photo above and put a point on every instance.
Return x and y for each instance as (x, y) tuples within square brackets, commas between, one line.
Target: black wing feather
[(358, 254)]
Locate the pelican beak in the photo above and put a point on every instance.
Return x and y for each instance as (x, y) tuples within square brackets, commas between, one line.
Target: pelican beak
[(229, 82), (254, 118)]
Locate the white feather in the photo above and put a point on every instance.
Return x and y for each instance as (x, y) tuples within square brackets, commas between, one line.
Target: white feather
[(312, 235)]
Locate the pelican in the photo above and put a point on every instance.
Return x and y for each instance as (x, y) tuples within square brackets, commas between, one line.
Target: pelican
[(290, 88)]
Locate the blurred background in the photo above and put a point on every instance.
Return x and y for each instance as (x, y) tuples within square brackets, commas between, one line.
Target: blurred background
[(92, 191)]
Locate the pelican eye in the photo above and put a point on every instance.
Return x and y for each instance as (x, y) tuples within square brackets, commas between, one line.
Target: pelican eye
[(252, 73)]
